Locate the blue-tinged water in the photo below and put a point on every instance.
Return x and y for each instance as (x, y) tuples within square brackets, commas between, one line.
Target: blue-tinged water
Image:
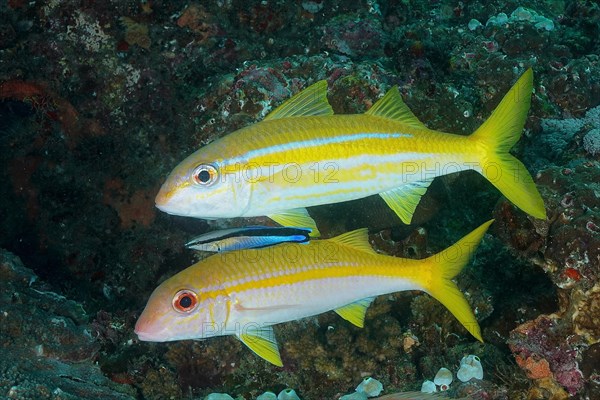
[(99, 101)]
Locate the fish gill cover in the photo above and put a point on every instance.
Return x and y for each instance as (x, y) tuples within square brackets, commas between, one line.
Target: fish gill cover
[(100, 100)]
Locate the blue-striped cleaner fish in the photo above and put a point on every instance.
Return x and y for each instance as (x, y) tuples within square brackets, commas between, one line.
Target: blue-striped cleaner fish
[(250, 237), (245, 292), (302, 155)]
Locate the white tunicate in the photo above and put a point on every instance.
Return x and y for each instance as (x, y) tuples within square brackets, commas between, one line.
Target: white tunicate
[(428, 387), (443, 378), (313, 7), (267, 396), (218, 396), (501, 19), (370, 386), (288, 394), (543, 23), (522, 14), (474, 24), (470, 367), (491, 21), (354, 396), (466, 373), (39, 350)]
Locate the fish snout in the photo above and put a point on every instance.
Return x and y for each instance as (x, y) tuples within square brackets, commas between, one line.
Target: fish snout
[(162, 197), (172, 199), (144, 328)]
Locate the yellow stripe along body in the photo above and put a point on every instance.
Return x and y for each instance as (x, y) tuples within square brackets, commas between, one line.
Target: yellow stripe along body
[(244, 292), (290, 281), (303, 155), (306, 161)]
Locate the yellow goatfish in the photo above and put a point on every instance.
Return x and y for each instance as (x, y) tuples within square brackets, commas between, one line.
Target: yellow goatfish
[(302, 155), (245, 292)]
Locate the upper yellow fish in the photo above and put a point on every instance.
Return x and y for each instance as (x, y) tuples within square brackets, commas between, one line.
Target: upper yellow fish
[(245, 292), (302, 155)]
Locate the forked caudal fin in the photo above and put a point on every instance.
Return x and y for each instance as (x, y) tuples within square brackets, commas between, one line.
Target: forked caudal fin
[(497, 136), (444, 267)]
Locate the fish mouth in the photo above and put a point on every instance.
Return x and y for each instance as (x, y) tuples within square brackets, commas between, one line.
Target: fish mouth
[(166, 202), (171, 211), (144, 335), (162, 206), (163, 202), (143, 329), (162, 198), (160, 336)]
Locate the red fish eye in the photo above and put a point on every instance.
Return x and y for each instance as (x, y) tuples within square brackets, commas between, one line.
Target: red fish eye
[(185, 301), (204, 175)]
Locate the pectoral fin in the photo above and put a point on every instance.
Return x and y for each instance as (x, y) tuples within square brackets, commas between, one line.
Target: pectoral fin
[(261, 340), (404, 199), (297, 217), (263, 310), (355, 312)]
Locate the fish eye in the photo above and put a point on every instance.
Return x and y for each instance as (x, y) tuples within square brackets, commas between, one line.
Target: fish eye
[(185, 301), (205, 175)]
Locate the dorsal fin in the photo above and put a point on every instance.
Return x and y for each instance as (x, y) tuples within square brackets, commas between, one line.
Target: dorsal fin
[(391, 106), (357, 239), (310, 101)]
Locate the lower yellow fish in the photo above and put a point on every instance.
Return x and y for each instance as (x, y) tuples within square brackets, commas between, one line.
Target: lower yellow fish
[(244, 293)]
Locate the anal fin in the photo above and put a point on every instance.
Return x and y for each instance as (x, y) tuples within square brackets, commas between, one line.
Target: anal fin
[(404, 199), (355, 312)]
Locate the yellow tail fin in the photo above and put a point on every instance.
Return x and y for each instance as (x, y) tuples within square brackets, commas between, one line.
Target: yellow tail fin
[(445, 266), (497, 136)]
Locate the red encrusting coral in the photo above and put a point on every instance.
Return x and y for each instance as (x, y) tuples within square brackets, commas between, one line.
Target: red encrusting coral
[(133, 207), (55, 108)]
